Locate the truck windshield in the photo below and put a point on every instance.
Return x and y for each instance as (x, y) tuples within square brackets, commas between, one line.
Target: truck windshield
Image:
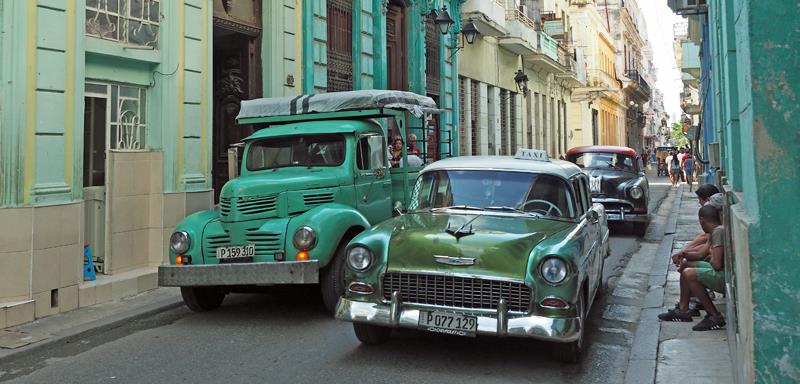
[(498, 191), (296, 151), (604, 160)]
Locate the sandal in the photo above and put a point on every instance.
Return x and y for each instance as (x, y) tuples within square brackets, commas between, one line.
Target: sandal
[(710, 323)]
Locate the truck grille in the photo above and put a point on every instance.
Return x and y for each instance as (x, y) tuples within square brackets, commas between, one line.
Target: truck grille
[(212, 242), (266, 243), (459, 292), (252, 205), (318, 198)]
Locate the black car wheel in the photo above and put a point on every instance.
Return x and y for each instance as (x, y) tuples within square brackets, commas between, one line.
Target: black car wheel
[(202, 299), (371, 334), (571, 352), (331, 280)]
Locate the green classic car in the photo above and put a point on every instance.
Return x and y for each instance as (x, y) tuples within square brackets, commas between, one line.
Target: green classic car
[(501, 246)]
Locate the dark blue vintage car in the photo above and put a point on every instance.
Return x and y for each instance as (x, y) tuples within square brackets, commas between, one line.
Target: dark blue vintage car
[(617, 180)]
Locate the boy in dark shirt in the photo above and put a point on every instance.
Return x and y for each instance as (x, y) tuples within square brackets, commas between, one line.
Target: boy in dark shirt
[(696, 276)]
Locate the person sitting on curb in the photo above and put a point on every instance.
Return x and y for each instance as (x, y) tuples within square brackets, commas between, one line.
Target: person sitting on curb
[(697, 249), (696, 276)]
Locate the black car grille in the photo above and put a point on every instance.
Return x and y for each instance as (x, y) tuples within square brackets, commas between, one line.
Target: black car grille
[(617, 207), (459, 292)]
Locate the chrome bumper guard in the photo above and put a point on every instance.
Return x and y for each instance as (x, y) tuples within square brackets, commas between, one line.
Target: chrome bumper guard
[(395, 315), (271, 273)]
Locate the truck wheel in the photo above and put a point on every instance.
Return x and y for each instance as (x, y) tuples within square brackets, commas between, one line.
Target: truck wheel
[(332, 280), (202, 299), (371, 334), (571, 352)]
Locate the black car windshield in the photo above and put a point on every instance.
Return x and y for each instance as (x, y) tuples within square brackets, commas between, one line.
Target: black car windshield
[(499, 191), (604, 160), (293, 151)]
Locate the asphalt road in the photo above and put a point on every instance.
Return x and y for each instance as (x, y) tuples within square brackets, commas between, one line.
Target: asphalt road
[(285, 336)]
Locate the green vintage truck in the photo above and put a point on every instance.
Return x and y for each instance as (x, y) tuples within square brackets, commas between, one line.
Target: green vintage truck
[(313, 176)]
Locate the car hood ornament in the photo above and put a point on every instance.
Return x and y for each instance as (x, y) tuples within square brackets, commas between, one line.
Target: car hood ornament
[(457, 261)]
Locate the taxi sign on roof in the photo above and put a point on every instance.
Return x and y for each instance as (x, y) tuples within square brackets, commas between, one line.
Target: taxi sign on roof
[(531, 154)]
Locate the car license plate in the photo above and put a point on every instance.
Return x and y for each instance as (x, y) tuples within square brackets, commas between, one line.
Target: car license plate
[(613, 216), (449, 323), (236, 251)]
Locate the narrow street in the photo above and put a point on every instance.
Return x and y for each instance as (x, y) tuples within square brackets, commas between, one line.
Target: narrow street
[(285, 335)]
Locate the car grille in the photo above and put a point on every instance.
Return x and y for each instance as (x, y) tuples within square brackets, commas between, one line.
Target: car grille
[(310, 199), (617, 207), (253, 205), (453, 291), (266, 243), (213, 242)]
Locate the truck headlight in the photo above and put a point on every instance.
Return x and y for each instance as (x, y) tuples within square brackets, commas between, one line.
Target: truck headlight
[(359, 258), (179, 242), (304, 238), (554, 270), (636, 192)]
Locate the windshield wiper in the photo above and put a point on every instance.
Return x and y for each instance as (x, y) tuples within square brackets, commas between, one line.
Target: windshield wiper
[(511, 209), (464, 207)]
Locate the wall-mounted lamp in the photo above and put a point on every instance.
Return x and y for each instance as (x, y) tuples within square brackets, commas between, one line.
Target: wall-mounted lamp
[(522, 81), (442, 20)]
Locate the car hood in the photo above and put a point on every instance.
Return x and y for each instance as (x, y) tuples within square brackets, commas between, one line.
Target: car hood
[(611, 181), (500, 245)]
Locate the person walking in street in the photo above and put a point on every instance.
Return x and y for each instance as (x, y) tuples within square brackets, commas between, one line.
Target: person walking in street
[(674, 165), (696, 276), (688, 169)]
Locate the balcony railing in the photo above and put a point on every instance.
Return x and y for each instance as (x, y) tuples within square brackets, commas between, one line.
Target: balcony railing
[(638, 79), (517, 15), (567, 58), (548, 45)]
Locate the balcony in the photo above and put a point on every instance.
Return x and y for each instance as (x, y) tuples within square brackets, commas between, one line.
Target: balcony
[(639, 81), (488, 15), (690, 59), (521, 33), (574, 76)]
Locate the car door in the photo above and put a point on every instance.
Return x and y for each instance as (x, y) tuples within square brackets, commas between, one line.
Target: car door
[(372, 181), (588, 233), (595, 233)]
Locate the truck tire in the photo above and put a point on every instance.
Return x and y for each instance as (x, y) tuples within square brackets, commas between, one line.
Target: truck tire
[(202, 299), (371, 334), (331, 280), (571, 352)]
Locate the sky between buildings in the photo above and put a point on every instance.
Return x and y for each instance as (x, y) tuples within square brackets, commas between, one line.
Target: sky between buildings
[(660, 19)]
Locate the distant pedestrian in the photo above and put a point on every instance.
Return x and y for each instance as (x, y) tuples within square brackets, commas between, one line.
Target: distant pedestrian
[(688, 170), (674, 165), (681, 158)]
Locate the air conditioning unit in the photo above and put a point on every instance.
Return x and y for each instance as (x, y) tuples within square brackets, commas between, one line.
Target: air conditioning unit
[(689, 7)]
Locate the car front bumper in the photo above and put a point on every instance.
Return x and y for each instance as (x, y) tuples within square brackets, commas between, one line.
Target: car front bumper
[(271, 273), (619, 210), (501, 323), (623, 217)]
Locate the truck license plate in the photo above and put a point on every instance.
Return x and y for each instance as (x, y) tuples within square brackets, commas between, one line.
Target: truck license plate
[(236, 251), (448, 323)]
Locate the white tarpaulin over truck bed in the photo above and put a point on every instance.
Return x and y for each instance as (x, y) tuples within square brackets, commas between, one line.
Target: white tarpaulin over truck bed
[(416, 104)]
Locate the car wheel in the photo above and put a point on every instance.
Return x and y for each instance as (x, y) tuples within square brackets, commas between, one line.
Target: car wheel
[(371, 334), (202, 299), (640, 229), (571, 352), (332, 280)]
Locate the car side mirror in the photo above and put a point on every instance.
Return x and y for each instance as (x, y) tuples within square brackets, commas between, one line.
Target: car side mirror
[(399, 209), (593, 216)]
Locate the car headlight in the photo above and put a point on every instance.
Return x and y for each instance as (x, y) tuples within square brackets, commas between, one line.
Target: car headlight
[(179, 242), (304, 238), (636, 192), (359, 258), (554, 270)]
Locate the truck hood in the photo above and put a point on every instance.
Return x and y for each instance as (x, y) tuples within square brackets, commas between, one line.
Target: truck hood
[(500, 245), (284, 179)]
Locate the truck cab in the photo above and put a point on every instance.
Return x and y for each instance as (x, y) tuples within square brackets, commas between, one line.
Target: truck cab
[(313, 176)]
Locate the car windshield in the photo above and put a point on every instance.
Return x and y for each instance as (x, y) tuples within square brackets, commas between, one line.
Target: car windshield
[(292, 151), (604, 160), (502, 191)]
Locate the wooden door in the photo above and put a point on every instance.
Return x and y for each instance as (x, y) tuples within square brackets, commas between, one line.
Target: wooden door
[(396, 47)]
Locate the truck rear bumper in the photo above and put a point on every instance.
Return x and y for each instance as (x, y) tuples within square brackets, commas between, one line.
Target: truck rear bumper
[(288, 272)]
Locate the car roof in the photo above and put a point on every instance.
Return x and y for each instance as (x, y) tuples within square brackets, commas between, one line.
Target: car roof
[(316, 128), (602, 148), (562, 168)]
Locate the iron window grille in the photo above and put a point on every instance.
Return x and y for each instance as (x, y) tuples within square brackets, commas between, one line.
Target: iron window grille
[(125, 114), (340, 45), (134, 22)]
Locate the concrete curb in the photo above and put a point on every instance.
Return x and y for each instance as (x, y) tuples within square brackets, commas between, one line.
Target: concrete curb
[(89, 329), (642, 362)]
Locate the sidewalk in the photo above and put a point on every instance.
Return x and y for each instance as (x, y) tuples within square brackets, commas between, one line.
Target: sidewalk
[(684, 355)]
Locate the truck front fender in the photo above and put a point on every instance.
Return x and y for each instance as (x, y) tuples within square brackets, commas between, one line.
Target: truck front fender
[(331, 223), (194, 225)]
